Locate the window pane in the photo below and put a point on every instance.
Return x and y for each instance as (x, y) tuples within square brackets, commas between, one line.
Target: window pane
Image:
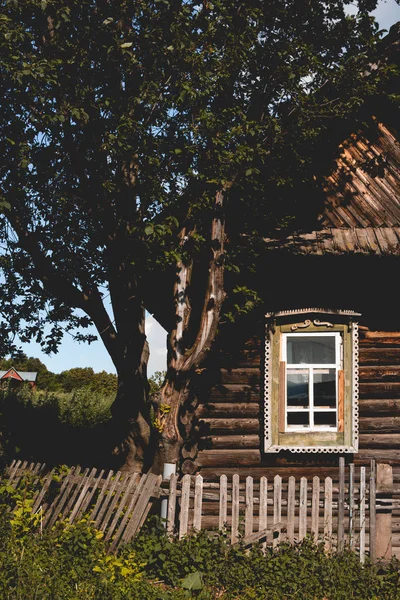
[(325, 387), (311, 349), (297, 387), (298, 419), (328, 419)]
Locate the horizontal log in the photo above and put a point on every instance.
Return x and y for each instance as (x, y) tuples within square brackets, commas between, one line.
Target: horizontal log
[(235, 392), (210, 426), (380, 440), (380, 390), (249, 375), (379, 356), (378, 406), (229, 458), (228, 410), (380, 338), (379, 373), (364, 455), (380, 424), (235, 441)]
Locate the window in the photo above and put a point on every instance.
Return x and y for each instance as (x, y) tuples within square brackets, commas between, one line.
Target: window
[(311, 381)]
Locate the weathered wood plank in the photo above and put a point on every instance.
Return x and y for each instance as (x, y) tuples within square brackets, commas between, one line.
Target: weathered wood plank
[(380, 390), (372, 512), (198, 501), (328, 514), (130, 505), (379, 423), (362, 514), (55, 510), (263, 506), (229, 410), (45, 486), (351, 507), (231, 458), (235, 509), (379, 440), (114, 495), (84, 491), (234, 441), (229, 426), (172, 503), (235, 392), (290, 509), (379, 373), (101, 495), (72, 499), (341, 505), (103, 516), (277, 516), (223, 501), (142, 506), (248, 517), (315, 508), (184, 511), (249, 375), (303, 508), (379, 356), (131, 482)]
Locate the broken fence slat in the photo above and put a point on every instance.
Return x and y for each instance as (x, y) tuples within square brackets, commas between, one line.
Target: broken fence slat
[(124, 499), (138, 487), (81, 497), (100, 497), (103, 512), (258, 536), (54, 510), (72, 499)]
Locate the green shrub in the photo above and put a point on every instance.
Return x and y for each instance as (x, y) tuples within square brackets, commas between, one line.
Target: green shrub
[(71, 562)]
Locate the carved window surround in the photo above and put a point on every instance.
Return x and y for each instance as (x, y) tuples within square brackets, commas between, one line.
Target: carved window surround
[(307, 428)]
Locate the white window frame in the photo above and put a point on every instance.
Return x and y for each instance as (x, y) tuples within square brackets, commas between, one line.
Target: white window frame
[(301, 319), (338, 365)]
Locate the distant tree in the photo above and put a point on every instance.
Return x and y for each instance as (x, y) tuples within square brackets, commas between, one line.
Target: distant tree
[(146, 137)]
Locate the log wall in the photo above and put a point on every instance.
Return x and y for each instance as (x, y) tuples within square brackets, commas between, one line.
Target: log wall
[(230, 428)]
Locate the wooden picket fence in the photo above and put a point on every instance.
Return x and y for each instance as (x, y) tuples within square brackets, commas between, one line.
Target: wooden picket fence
[(353, 511), (117, 504)]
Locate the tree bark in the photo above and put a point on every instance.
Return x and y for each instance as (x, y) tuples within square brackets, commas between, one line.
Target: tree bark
[(184, 360)]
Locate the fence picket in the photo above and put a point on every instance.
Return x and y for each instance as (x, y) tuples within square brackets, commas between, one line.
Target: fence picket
[(277, 504), (290, 509), (328, 514), (315, 509), (340, 527), (184, 513), (198, 499), (107, 508), (223, 501), (351, 507), (372, 512), (362, 514), (248, 522), (303, 508), (93, 514), (235, 509), (172, 503)]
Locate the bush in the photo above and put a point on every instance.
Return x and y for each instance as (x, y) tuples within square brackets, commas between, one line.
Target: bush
[(70, 562)]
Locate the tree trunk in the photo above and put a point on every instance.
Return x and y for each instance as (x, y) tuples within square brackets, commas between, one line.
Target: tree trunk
[(131, 419), (184, 360)]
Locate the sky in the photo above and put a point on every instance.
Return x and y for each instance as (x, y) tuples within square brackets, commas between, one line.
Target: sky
[(74, 354)]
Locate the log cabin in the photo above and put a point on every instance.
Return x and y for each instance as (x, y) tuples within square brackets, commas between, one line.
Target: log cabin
[(316, 373)]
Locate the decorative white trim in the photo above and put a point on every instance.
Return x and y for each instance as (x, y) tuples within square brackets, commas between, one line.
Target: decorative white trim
[(267, 391), (326, 311), (269, 447), (355, 382)]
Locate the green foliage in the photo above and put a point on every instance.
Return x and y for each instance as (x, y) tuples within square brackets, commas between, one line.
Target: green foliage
[(71, 562), (121, 121), (53, 427)]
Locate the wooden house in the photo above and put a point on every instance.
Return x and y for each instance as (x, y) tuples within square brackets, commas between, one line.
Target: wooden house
[(317, 375), (18, 377)]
